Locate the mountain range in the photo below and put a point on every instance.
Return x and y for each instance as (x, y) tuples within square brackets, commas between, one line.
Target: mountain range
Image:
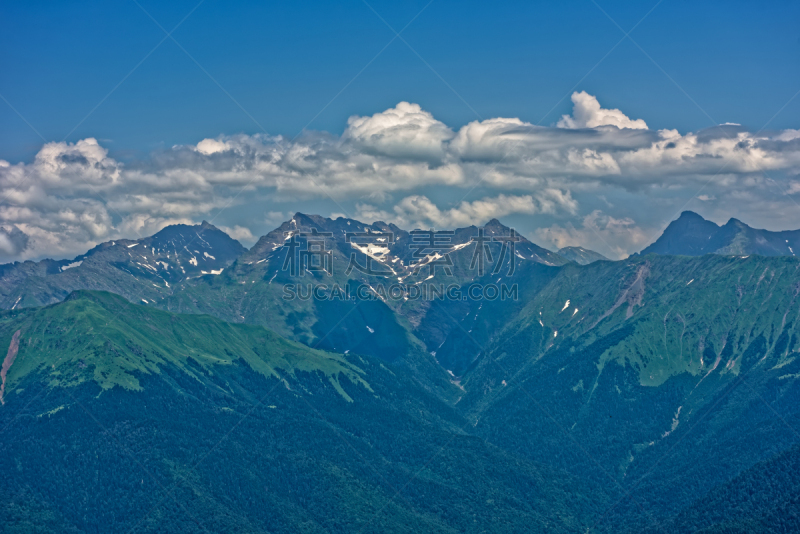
[(206, 387)]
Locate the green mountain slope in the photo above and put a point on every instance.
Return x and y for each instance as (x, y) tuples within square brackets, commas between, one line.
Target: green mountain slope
[(100, 337), (764, 498), (118, 417), (652, 365)]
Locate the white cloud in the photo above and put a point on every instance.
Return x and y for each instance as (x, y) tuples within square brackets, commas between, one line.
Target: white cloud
[(587, 113), (405, 131), (74, 195), (419, 211), (75, 165), (212, 146), (612, 237), (240, 233)]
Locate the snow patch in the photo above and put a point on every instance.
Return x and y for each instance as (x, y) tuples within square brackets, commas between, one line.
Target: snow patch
[(462, 245), (71, 265), (375, 251), (675, 422)]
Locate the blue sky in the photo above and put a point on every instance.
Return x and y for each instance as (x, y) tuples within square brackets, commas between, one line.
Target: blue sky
[(283, 62), (70, 73)]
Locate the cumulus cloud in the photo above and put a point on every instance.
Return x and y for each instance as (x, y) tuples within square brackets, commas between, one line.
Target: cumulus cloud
[(74, 195), (587, 113), (212, 146), (405, 131)]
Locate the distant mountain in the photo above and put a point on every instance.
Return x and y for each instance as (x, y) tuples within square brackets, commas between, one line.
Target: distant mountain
[(692, 235), (142, 269), (580, 255)]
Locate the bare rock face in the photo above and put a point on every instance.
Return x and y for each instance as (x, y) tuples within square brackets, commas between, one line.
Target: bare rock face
[(11, 355)]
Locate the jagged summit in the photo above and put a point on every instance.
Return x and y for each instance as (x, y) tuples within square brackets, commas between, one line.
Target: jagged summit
[(494, 223), (401, 247), (692, 235), (207, 225)]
